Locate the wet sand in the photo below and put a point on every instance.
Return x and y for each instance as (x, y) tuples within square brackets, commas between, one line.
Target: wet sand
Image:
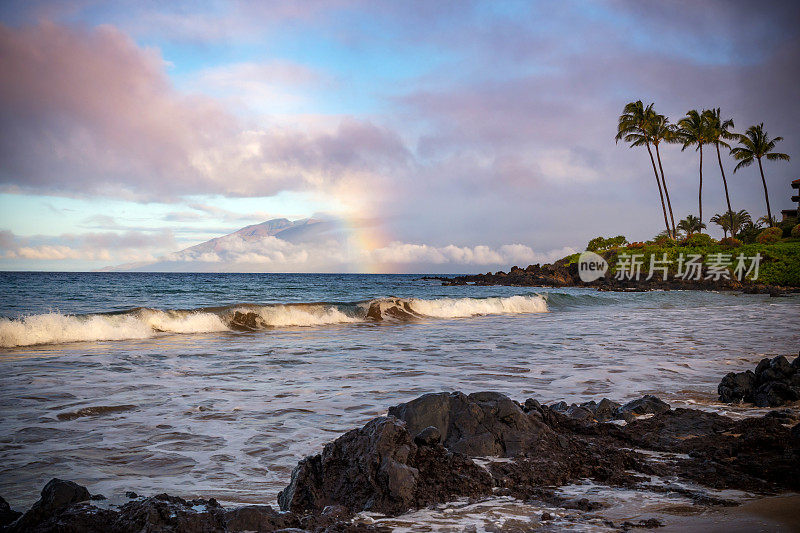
[(772, 514)]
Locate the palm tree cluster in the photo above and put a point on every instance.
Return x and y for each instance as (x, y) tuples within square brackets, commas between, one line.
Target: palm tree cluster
[(641, 125), (732, 222)]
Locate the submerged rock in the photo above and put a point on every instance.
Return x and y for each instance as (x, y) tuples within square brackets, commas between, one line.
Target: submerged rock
[(774, 383)]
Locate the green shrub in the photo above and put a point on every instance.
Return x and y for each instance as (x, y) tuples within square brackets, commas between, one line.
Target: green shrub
[(731, 241), (663, 240), (698, 239), (749, 233), (787, 226), (795, 231), (769, 236)]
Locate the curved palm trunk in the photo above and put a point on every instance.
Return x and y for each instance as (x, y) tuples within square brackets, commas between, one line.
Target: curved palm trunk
[(666, 193), (766, 196), (700, 194), (660, 193), (725, 183)]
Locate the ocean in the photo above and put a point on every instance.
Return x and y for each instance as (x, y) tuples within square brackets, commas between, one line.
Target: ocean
[(217, 384)]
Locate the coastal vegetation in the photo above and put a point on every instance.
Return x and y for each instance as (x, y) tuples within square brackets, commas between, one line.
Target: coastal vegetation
[(691, 224), (641, 125), (779, 264)]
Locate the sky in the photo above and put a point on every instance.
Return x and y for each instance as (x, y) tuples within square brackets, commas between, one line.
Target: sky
[(445, 136)]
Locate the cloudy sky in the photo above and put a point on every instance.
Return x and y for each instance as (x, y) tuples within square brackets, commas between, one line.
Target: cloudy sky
[(446, 136)]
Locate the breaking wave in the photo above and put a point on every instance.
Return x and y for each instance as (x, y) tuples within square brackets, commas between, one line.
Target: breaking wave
[(142, 323)]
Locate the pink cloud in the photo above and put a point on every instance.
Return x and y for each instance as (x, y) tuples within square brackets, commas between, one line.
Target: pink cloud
[(90, 112)]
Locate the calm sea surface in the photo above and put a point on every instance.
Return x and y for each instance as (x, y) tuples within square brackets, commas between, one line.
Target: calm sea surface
[(217, 384)]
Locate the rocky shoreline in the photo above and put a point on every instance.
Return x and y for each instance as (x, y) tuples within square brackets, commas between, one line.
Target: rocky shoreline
[(444, 446), (563, 274)]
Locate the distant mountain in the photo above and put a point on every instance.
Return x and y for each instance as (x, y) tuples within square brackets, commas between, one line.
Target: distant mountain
[(216, 254), (297, 232)]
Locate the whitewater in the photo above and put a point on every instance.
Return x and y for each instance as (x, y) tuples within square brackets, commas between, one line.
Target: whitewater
[(142, 323)]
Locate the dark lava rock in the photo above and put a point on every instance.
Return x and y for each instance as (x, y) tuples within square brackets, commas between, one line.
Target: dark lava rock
[(161, 513), (169, 513), (775, 393), (774, 383), (577, 412), (130, 494), (736, 387), (7, 514), (605, 410), (379, 468), (428, 436), (481, 424), (56, 496), (650, 523), (647, 404), (260, 518), (755, 454), (670, 429), (98, 497)]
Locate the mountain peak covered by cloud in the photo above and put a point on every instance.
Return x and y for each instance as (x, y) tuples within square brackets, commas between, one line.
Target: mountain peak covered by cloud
[(328, 245)]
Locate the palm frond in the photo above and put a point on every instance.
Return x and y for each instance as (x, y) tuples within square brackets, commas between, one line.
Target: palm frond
[(742, 164), (775, 156)]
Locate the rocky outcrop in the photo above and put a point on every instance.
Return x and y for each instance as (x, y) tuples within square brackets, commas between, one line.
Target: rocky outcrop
[(56, 496), (7, 514), (607, 410), (775, 382), (563, 274), (478, 425), (380, 468), (547, 446)]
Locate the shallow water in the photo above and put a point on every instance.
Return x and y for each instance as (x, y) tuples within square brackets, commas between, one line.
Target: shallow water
[(229, 413)]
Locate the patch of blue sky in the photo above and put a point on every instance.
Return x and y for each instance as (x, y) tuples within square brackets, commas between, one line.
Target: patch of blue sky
[(29, 215)]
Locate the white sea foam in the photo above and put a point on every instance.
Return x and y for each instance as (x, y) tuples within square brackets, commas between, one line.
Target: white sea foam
[(55, 328), (466, 307), (303, 315)]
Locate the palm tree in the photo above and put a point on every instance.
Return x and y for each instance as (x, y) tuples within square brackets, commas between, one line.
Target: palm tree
[(659, 129), (767, 221), (723, 222), (718, 133), (755, 144), (732, 221), (691, 224), (631, 127), (693, 131)]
